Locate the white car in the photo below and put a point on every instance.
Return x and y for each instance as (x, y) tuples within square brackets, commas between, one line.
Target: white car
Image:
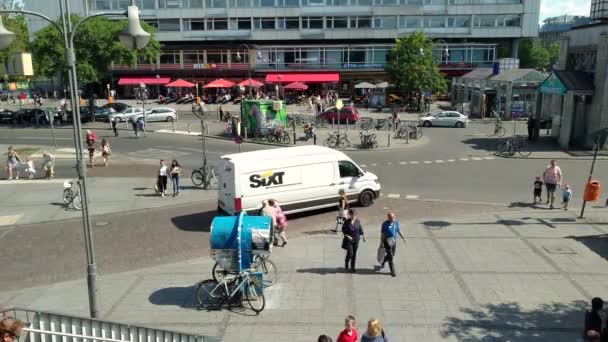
[(158, 114), (127, 114), (445, 119)]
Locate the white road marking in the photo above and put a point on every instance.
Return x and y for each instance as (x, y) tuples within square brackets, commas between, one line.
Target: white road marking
[(476, 158), (9, 220), (403, 163), (389, 163), (427, 162), (439, 161), (39, 138), (414, 162), (363, 165), (177, 132), (464, 159), (489, 158), (23, 181), (393, 195), (373, 164), (412, 197), (451, 160)]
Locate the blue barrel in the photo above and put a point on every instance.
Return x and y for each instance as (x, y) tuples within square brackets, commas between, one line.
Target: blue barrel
[(235, 239)]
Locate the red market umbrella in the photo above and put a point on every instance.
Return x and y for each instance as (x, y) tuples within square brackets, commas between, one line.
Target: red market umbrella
[(219, 83), (250, 83), (180, 84), (296, 86)]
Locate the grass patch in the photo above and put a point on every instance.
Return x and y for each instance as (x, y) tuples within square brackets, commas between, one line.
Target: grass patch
[(24, 152)]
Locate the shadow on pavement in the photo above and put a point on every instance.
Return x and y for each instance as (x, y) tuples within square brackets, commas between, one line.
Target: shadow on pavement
[(197, 222), (596, 243), (489, 144), (511, 322), (336, 270), (184, 297)]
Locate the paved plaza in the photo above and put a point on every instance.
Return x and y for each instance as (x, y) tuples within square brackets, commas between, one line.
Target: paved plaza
[(503, 276)]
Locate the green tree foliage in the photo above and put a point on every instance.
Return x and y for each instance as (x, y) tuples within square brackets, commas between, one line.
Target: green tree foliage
[(15, 23), (535, 56), (96, 46), (409, 69)]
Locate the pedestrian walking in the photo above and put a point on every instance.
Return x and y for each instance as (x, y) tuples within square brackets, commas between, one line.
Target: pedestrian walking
[(30, 169), (176, 171), (162, 178), (538, 190), (10, 329), (388, 239), (349, 334), (566, 196), (374, 332), (269, 211), (106, 151), (594, 319), (552, 176), (12, 163), (48, 165), (353, 232), (91, 138), (134, 126), (114, 126), (324, 338), (281, 221), (342, 210), (531, 127), (141, 125)]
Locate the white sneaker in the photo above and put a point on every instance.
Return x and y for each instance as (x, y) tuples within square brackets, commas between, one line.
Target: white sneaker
[(17, 177), (162, 195)]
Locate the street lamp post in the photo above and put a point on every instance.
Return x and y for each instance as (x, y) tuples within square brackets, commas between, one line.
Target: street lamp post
[(238, 58), (157, 86), (134, 37), (143, 93), (339, 106)]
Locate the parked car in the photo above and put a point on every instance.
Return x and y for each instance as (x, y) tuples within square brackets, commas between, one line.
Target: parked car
[(445, 119), (104, 114), (127, 114), (28, 116), (158, 114), (7, 116), (117, 106), (347, 112)]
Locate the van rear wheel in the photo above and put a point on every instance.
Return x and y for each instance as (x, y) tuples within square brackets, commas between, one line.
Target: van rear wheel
[(366, 198)]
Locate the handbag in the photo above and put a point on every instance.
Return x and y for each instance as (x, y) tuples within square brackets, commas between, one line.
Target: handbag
[(340, 220), (381, 253), (345, 242)]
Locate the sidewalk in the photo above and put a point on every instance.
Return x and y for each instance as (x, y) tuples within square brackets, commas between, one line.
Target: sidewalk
[(505, 276)]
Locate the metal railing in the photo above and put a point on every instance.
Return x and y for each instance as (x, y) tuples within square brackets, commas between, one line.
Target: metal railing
[(44, 326)]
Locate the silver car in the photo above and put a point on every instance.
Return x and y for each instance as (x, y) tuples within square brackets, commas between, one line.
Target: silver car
[(127, 114), (445, 119), (158, 114)]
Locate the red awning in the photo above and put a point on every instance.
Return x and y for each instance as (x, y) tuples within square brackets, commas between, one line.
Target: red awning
[(180, 84), (296, 86), (250, 82), (219, 83), (303, 77), (135, 80)]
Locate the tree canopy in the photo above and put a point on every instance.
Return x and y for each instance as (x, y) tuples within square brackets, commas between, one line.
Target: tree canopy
[(535, 56), (96, 45), (409, 69), (15, 23)]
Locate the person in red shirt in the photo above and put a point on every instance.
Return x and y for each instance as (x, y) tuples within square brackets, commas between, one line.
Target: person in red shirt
[(349, 334)]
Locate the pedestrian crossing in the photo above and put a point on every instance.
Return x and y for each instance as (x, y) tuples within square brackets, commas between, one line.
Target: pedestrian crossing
[(427, 162)]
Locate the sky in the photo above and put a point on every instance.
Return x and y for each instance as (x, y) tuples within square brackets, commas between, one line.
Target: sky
[(553, 8)]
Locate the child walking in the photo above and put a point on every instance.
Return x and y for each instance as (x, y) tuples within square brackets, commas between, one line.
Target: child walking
[(30, 169), (566, 196), (538, 190)]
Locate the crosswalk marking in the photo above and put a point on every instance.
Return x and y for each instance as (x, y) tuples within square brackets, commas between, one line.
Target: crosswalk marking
[(464, 159), (403, 163), (9, 220), (393, 195), (363, 165), (476, 158), (411, 197), (439, 161), (489, 158), (373, 164), (451, 160), (414, 162), (427, 162), (22, 181)]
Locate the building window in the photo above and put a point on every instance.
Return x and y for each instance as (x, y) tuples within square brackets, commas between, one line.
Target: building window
[(410, 22), (169, 57), (413, 2), (380, 56), (168, 25), (194, 3), (243, 23), (169, 3), (339, 2), (220, 24), (363, 2), (240, 3), (434, 22), (216, 3), (385, 22), (152, 22), (190, 57), (360, 22), (292, 23), (243, 53), (460, 21), (512, 21), (387, 2), (264, 3), (214, 56), (288, 3), (313, 3), (265, 23), (337, 22), (434, 2), (356, 56), (485, 21), (312, 23), (193, 24)]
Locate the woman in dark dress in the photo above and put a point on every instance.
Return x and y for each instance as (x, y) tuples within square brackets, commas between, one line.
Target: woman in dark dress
[(353, 232)]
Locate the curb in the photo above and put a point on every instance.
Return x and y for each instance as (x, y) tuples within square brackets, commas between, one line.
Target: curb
[(551, 158)]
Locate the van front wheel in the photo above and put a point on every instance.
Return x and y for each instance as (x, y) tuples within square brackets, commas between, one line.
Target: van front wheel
[(366, 198)]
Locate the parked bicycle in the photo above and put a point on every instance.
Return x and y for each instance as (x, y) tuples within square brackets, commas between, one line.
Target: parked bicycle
[(512, 145), (368, 140), (366, 123), (261, 263), (279, 135), (71, 194), (335, 141), (233, 290), (408, 131), (204, 176), (384, 124)]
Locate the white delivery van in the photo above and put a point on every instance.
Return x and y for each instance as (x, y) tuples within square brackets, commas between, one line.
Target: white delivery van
[(299, 178)]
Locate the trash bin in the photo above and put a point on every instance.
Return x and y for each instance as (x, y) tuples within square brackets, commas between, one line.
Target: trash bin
[(592, 191), (234, 240)]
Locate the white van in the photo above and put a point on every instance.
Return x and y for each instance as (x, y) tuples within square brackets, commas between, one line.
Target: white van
[(299, 178)]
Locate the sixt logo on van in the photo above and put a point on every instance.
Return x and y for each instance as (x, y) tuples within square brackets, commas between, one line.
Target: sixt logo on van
[(267, 178)]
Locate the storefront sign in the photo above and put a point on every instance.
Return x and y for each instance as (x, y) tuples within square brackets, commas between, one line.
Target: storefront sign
[(553, 85), (204, 66)]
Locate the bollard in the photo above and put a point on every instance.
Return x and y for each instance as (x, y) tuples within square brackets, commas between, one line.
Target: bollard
[(245, 134), (314, 139), (346, 125), (407, 137), (332, 123), (173, 126), (294, 137), (389, 140), (189, 128), (293, 123)]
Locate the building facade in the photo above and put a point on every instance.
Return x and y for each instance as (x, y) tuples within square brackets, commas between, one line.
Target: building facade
[(205, 39), (555, 28)]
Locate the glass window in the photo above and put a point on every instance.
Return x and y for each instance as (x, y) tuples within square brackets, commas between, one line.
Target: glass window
[(266, 3), (291, 3), (340, 22), (190, 57), (292, 23), (216, 3), (313, 2), (280, 24), (169, 4), (388, 2), (414, 2), (377, 22), (220, 24), (333, 57), (239, 56), (364, 2), (410, 22), (460, 21), (244, 23), (167, 25), (312, 22), (195, 3), (380, 56), (347, 169), (102, 5), (364, 22), (356, 56), (240, 3), (434, 22), (512, 20), (194, 24), (486, 21), (216, 57), (152, 22), (339, 2), (265, 23), (167, 58), (389, 22)]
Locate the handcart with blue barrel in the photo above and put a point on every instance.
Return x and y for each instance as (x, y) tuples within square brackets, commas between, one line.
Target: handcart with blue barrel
[(240, 246)]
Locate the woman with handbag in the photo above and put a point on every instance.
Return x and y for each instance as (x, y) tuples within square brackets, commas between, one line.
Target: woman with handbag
[(176, 171), (162, 178), (106, 151), (388, 238), (353, 232), (342, 210)]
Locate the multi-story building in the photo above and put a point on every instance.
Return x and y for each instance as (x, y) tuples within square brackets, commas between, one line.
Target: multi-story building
[(318, 41), (555, 28)]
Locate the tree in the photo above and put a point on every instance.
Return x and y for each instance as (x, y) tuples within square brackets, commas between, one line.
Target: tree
[(535, 56), (409, 69), (96, 45), (15, 23)]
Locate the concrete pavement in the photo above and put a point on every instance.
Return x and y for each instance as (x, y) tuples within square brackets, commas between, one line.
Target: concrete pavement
[(497, 275)]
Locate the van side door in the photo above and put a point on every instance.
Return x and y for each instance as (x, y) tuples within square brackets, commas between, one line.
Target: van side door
[(349, 174)]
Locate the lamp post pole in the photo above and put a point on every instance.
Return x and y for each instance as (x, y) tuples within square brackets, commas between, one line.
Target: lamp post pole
[(238, 57), (139, 38)]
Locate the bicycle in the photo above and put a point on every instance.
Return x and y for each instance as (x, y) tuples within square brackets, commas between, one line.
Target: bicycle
[(499, 130), (366, 123), (71, 194), (513, 145), (260, 263), (278, 135), (231, 290), (333, 141), (204, 176), (368, 140)]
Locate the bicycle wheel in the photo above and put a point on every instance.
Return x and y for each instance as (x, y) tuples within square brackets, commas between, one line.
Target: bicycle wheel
[(67, 195), (321, 123), (270, 272), (330, 142), (523, 150), (77, 201), (197, 178), (218, 272), (500, 131), (366, 125), (207, 298), (285, 139), (211, 181), (255, 296), (501, 148), (419, 134), (344, 142)]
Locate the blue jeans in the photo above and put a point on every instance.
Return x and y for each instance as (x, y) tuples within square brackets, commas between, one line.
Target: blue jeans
[(175, 181)]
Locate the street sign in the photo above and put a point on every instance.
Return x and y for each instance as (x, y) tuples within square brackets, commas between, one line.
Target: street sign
[(238, 139)]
